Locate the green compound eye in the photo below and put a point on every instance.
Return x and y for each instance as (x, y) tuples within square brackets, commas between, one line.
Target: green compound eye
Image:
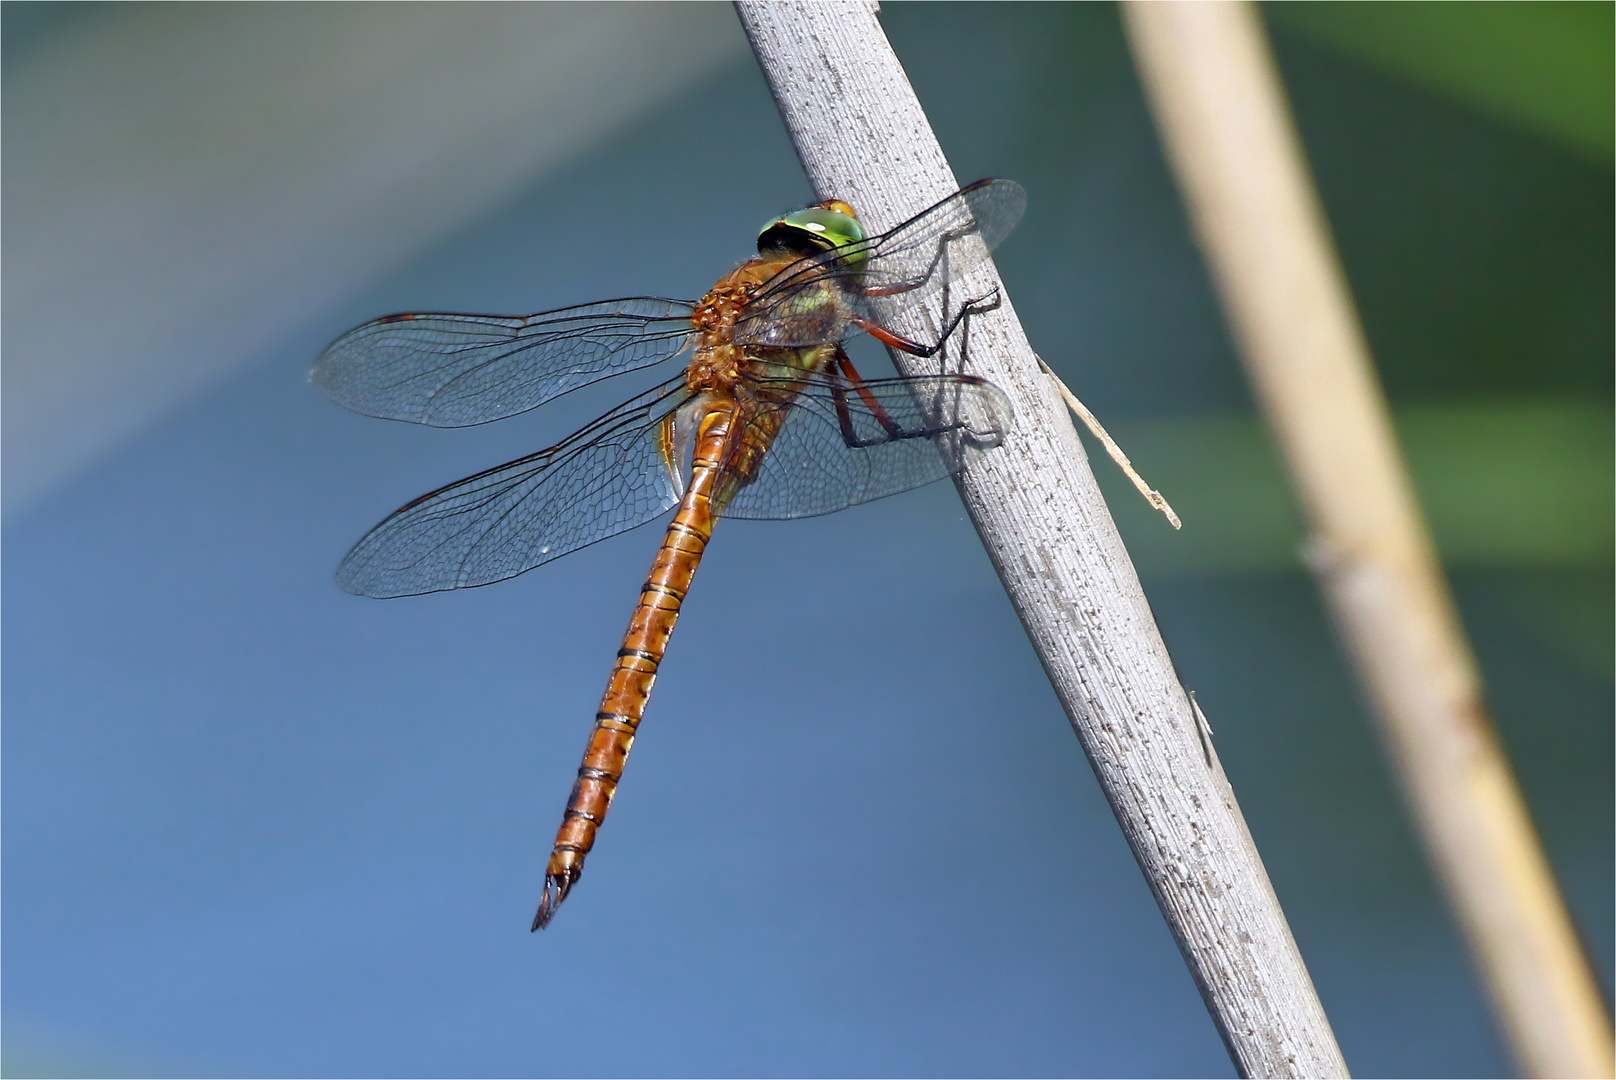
[(810, 231)]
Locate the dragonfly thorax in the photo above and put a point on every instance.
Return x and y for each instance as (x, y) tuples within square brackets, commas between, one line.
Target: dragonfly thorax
[(718, 360)]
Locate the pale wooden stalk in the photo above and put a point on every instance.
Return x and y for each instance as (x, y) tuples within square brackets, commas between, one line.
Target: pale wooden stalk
[(862, 137), (1224, 121)]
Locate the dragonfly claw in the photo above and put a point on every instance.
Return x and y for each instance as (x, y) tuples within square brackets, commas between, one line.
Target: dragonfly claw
[(556, 887)]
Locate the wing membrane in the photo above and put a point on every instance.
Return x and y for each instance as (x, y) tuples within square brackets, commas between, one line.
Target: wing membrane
[(605, 479), (840, 447), (818, 299), (450, 370)]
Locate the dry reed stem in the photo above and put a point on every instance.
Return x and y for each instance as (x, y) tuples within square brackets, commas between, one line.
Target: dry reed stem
[(862, 137), (1092, 422), (1228, 133)]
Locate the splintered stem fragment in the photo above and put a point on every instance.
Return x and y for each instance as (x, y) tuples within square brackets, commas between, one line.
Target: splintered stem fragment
[(1081, 411)]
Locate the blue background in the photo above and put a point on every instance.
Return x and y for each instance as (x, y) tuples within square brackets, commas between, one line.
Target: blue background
[(254, 826)]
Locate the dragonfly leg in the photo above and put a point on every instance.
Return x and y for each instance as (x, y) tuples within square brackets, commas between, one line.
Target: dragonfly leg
[(897, 288), (845, 362), (844, 418), (891, 430), (980, 306)]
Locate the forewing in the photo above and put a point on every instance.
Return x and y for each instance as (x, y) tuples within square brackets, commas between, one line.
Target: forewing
[(603, 480), (819, 299), (451, 370), (838, 447)]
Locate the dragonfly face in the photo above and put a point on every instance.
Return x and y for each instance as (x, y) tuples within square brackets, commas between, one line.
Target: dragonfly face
[(768, 420), (811, 230)]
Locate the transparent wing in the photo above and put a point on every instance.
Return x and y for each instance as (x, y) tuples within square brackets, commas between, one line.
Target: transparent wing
[(842, 445), (451, 370), (819, 299), (605, 479)]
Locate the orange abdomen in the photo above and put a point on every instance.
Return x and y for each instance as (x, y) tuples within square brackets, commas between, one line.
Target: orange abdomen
[(629, 687)]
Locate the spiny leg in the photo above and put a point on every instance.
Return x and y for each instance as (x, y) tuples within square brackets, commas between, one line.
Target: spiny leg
[(938, 259), (844, 417), (980, 306)]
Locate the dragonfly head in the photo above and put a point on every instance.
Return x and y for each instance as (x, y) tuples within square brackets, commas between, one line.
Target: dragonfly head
[(822, 227)]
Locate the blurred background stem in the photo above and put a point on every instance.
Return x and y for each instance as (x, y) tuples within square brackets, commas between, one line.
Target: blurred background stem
[(1227, 130)]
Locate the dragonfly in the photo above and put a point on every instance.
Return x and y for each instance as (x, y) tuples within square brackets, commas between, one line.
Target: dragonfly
[(768, 420)]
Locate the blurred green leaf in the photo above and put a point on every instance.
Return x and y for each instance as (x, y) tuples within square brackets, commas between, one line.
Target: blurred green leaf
[(1501, 483), (1545, 65)]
